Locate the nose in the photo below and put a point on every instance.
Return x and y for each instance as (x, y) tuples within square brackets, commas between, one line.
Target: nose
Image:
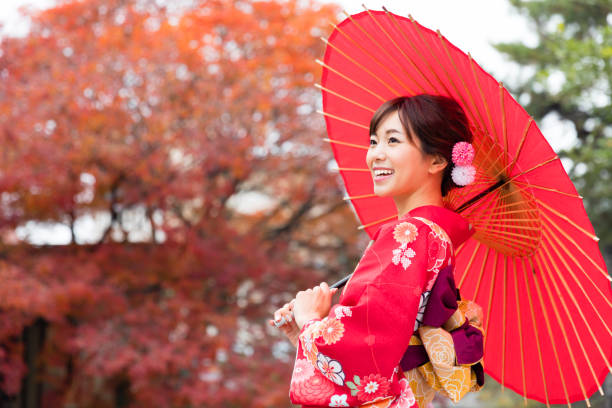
[(379, 152)]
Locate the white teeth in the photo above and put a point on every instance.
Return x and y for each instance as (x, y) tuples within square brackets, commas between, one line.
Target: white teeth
[(383, 172)]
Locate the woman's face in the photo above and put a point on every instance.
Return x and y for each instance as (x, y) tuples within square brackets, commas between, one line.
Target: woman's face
[(398, 166)]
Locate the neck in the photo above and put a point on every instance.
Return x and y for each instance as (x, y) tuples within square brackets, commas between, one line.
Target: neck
[(418, 198)]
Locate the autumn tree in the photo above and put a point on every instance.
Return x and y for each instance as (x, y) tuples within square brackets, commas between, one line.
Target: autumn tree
[(186, 137)]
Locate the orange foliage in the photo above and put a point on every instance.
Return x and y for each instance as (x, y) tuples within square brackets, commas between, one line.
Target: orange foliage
[(123, 107)]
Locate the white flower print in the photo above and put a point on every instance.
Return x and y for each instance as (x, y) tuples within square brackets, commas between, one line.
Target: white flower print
[(421, 312), (342, 311), (403, 254), (331, 369), (338, 401)]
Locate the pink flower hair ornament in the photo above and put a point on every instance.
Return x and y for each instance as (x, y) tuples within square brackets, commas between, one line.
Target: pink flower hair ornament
[(463, 172)]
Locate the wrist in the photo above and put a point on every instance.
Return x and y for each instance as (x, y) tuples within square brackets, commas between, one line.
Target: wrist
[(302, 320)]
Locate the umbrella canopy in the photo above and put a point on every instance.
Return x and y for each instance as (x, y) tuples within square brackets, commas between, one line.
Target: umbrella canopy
[(533, 263)]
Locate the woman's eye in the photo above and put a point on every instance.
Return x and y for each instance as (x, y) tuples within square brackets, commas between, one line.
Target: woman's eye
[(372, 142), (393, 140)]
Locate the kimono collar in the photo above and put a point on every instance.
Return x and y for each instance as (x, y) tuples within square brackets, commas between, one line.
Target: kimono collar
[(456, 226)]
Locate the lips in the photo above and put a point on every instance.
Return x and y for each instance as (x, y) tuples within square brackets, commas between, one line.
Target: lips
[(381, 173)]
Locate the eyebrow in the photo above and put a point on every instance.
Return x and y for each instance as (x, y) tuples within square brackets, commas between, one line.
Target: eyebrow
[(389, 131)]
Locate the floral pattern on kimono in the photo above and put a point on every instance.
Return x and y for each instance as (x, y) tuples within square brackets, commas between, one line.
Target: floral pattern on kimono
[(357, 348)]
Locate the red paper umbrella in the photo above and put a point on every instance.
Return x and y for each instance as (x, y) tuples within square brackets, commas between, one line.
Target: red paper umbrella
[(533, 264)]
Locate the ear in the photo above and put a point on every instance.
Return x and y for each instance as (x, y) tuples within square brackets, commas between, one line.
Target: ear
[(438, 164)]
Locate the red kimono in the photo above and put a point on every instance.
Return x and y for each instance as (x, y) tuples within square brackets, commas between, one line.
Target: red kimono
[(352, 357)]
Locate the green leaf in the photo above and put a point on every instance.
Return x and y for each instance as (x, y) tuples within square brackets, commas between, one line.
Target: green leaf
[(357, 380)]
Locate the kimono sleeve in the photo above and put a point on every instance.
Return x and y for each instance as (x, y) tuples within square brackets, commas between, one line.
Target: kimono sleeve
[(352, 356)]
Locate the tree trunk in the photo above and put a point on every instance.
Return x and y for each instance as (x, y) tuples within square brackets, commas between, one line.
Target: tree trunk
[(33, 340)]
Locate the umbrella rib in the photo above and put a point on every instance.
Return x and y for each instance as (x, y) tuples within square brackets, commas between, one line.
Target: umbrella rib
[(353, 169), (603, 322), (504, 233), (482, 97), (526, 210), (550, 334), (324, 65), (465, 87), (386, 85), (522, 173), (376, 222), (505, 288), (520, 148), (519, 227), (495, 255), (460, 248), (504, 129), (359, 197), (484, 262), (350, 122), (535, 329), (559, 319), (385, 50), (558, 214), (569, 238), (520, 330), (510, 219), (573, 298), (469, 264), (560, 243), (548, 276), (530, 185), (390, 15), (373, 57), (321, 87), (346, 144)]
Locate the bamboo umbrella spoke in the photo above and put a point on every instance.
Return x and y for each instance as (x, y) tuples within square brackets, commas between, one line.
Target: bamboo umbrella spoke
[(329, 91), (484, 262), (384, 83), (339, 142), (489, 303), (550, 335), (359, 197), (550, 281), (520, 146), (469, 264), (324, 65), (535, 330), (374, 58), (386, 52), (562, 245), (576, 305), (406, 57), (380, 221), (531, 185), (345, 120), (504, 325), (564, 334), (578, 247), (520, 331)]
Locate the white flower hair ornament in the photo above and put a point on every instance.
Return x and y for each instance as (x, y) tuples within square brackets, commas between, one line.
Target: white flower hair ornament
[(463, 172)]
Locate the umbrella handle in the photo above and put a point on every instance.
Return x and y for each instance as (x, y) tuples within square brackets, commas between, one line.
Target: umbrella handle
[(339, 284)]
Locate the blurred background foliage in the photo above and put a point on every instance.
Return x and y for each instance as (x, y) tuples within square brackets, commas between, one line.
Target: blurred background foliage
[(177, 147)]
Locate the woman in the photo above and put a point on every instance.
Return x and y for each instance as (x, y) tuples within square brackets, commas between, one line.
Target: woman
[(361, 351)]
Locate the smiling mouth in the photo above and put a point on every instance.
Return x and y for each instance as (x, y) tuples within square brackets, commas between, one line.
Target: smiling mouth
[(380, 175)]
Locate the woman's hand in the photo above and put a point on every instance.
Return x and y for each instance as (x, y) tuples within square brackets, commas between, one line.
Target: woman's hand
[(289, 328), (312, 304)]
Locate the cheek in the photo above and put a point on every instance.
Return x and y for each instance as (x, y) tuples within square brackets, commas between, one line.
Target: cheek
[(369, 159)]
